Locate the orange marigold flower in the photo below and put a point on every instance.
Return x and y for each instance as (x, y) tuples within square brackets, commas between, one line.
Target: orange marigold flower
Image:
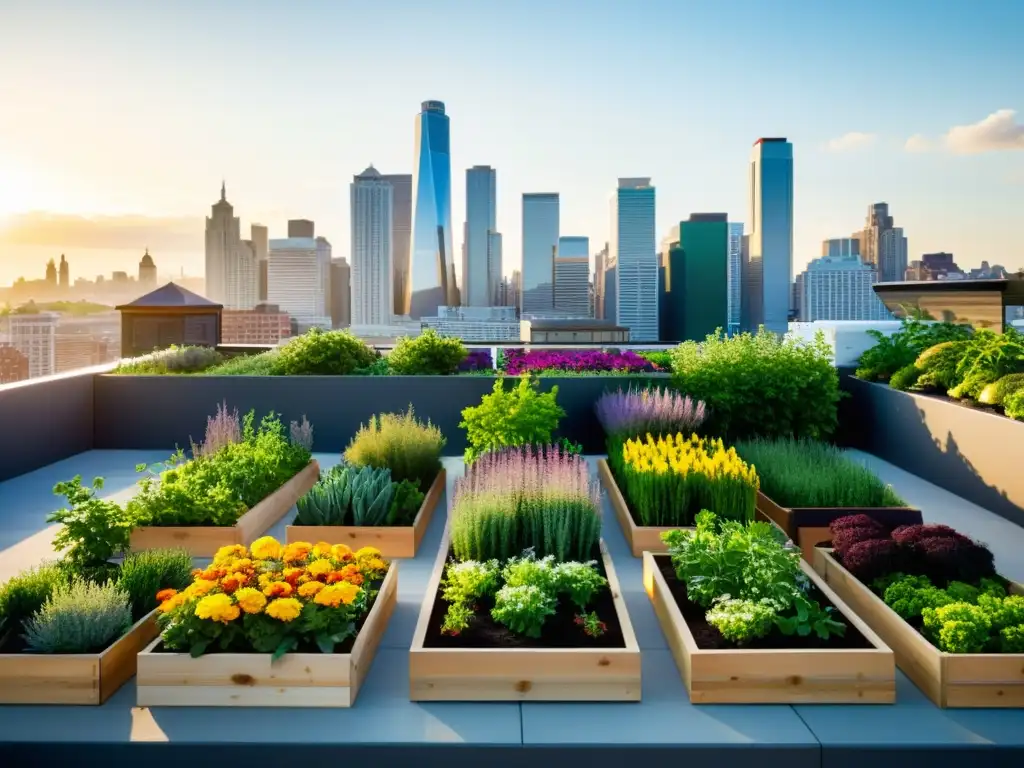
[(242, 564), (297, 551), (285, 609), (200, 587), (310, 588), (374, 567), (339, 551), (322, 549), (352, 573), (265, 579), (171, 603), (266, 548), (291, 575), (337, 594), (278, 589), (230, 583), (213, 574), (165, 594), (319, 568), (365, 552)]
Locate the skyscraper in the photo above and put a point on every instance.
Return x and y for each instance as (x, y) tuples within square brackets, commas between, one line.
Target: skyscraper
[(431, 267), (323, 256), (401, 235), (147, 271), (841, 247), (839, 288), (735, 288), (600, 259), (259, 237), (882, 244), (494, 262), (480, 273), (51, 272), (540, 242), (64, 272), (892, 256), (295, 281), (770, 246), (341, 293), (232, 274), (372, 256), (704, 239), (572, 277), (633, 249)]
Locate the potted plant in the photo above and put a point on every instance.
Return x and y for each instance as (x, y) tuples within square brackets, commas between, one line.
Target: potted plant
[(271, 625), (523, 603), (934, 595), (383, 494)]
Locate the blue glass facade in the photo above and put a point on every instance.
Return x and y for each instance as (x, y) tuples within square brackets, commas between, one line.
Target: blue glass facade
[(540, 243), (769, 272), (481, 266), (432, 269)]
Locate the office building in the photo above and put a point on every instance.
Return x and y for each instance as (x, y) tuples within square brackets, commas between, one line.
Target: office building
[(841, 247), (481, 261), (260, 238), (495, 248), (301, 228), (232, 274), (431, 267), (35, 337), (572, 277), (633, 249), (735, 278), (372, 258), (266, 324), (696, 280), (540, 243), (324, 255), (401, 235), (295, 281), (769, 257), (475, 324), (147, 272), (13, 364), (64, 273), (341, 293), (600, 258), (882, 244), (892, 265), (840, 288), (509, 291)]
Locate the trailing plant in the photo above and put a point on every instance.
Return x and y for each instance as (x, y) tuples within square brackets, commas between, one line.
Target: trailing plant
[(742, 572), (511, 418), (361, 496), (477, 360), (998, 391), (93, 530), (667, 481), (274, 599), (173, 360), (410, 448), (760, 385), (143, 574), (428, 354), (637, 412), (806, 473), (23, 595), (323, 353), (902, 348), (539, 499), (79, 617)]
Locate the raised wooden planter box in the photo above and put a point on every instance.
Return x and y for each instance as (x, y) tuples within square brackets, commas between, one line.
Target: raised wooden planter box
[(809, 526), (205, 540), (774, 676), (523, 674), (255, 680), (948, 679), (392, 541), (641, 538), (74, 678)]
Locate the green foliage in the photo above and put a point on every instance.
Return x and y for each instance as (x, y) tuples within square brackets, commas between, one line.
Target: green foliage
[(1013, 405), (361, 496), (323, 353), (143, 574), (93, 530), (937, 365), (173, 360), (24, 594), (900, 349), (997, 392), (79, 617), (910, 595), (988, 357), (806, 473), (741, 621), (245, 365), (411, 449), (661, 358), (510, 418), (219, 488), (760, 385), (379, 367), (905, 378), (428, 354), (523, 609), (957, 627)]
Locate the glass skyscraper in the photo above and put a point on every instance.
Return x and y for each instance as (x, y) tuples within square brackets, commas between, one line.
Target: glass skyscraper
[(769, 261), (633, 250), (735, 276), (540, 242), (480, 275), (431, 269), (572, 277)]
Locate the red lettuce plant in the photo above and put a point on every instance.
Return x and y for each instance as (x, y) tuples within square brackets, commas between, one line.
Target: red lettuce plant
[(874, 558), (914, 534)]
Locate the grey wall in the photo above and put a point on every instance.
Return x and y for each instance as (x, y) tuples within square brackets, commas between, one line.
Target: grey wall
[(160, 412), (44, 421), (971, 453)]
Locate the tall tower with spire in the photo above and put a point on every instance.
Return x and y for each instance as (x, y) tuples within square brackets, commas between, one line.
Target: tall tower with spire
[(232, 274), (65, 273)]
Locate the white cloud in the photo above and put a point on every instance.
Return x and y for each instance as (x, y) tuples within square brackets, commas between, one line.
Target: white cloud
[(851, 141), (999, 131), (918, 143)]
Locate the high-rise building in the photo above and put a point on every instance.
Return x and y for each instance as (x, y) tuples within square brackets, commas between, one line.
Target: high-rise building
[(341, 293), (295, 281), (572, 277), (401, 235), (324, 253), (35, 337), (64, 273), (480, 273), (540, 243), (301, 228), (633, 249), (769, 260), (147, 272), (232, 274), (704, 308), (840, 288), (259, 236), (494, 262), (431, 267), (882, 244), (735, 278), (510, 292), (841, 247), (892, 253), (372, 257), (51, 272), (600, 259)]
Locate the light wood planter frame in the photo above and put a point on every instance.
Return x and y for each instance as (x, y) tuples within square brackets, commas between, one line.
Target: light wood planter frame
[(523, 674), (774, 676), (74, 678), (255, 680), (392, 541), (948, 679), (205, 540), (640, 538)]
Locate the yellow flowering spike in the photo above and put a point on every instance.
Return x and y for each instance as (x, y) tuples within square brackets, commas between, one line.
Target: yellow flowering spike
[(284, 609), (266, 548)]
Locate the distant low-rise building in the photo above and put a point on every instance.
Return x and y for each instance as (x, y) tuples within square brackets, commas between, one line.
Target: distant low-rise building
[(34, 336), (572, 331), (266, 324), (13, 365)]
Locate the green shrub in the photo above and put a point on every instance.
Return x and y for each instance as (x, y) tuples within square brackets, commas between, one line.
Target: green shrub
[(997, 392), (510, 418), (173, 360), (93, 530), (1013, 405), (23, 595), (323, 353), (428, 354), (760, 385), (900, 349), (246, 365), (365, 496), (905, 378), (988, 357), (661, 358), (411, 449), (806, 473), (937, 365), (143, 574), (80, 617)]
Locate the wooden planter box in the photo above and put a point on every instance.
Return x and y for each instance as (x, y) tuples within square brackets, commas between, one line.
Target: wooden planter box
[(254, 680), (392, 541), (948, 679), (74, 678), (205, 540), (774, 676), (523, 674), (809, 526), (641, 538)]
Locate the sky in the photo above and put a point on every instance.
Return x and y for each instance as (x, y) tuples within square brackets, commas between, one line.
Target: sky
[(120, 118)]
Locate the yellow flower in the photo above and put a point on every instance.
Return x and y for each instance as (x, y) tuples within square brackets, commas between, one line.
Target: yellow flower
[(367, 552), (266, 548), (338, 551), (230, 552), (284, 609), (242, 564), (297, 551), (200, 587), (217, 608), (310, 588), (172, 602), (334, 595), (319, 568), (250, 600), (322, 549), (374, 567)]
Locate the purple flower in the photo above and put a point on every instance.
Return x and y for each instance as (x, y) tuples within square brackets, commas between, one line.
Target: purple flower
[(477, 360), (637, 412), (518, 361)]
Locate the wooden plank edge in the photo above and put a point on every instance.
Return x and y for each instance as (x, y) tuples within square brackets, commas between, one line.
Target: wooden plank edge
[(639, 537), (628, 635), (118, 663), (427, 508), (364, 649), (267, 513)]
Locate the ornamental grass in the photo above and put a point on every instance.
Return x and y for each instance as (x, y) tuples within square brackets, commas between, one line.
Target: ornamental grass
[(526, 499), (273, 599), (636, 412), (667, 481), (410, 448)]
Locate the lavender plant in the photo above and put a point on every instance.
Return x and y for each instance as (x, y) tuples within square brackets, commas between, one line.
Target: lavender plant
[(525, 498), (301, 433), (223, 428), (637, 412)]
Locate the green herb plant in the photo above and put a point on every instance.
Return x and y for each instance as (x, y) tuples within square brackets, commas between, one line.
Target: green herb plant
[(410, 448), (79, 617), (897, 350), (323, 353), (93, 530), (510, 418), (24, 594), (428, 354), (988, 357), (360, 496), (143, 574)]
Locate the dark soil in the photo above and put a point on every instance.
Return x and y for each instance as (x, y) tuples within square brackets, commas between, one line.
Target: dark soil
[(710, 639), (560, 630)]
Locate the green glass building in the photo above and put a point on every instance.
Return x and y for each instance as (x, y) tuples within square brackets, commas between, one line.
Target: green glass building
[(696, 279)]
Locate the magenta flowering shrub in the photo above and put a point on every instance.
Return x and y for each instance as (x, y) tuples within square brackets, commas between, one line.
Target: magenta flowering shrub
[(518, 361), (476, 360), (625, 414)]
